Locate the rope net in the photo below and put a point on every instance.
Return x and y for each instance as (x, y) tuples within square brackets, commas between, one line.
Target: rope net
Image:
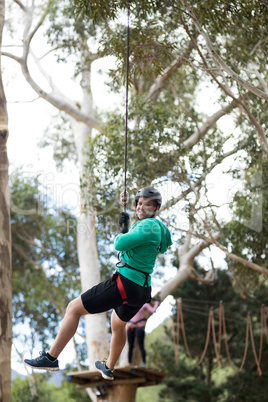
[(217, 343)]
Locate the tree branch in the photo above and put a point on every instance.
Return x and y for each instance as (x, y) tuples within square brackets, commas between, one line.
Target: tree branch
[(260, 78), (196, 250), (228, 92), (161, 79), (20, 5), (241, 260), (209, 278), (218, 59), (175, 200), (210, 122), (20, 250), (44, 249), (60, 104), (212, 240), (12, 56)]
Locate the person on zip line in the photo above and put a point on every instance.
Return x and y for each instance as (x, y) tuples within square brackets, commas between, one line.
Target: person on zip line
[(125, 292)]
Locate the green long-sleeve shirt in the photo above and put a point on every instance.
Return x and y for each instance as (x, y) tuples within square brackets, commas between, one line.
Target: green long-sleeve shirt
[(140, 246)]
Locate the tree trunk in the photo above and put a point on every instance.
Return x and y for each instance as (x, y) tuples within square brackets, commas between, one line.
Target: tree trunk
[(181, 276), (122, 393), (5, 246), (96, 325)]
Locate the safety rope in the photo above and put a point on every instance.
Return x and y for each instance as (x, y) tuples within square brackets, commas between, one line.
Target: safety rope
[(207, 339), (265, 324), (183, 329), (253, 346), (222, 327), (225, 336), (124, 199), (217, 349), (176, 335)]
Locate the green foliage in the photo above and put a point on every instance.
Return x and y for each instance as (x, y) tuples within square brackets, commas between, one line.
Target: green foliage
[(237, 30), (43, 391), (183, 382), (188, 382), (43, 247), (155, 155), (145, 394), (153, 45), (248, 386), (69, 35), (158, 126), (151, 49), (106, 10), (247, 233), (59, 137), (236, 24), (44, 255)]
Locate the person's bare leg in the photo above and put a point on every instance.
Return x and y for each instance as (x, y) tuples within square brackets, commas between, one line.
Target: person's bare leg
[(68, 326), (119, 337)]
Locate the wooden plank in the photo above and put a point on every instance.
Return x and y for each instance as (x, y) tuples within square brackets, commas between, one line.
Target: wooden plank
[(150, 374), (113, 383), (84, 374), (142, 376)]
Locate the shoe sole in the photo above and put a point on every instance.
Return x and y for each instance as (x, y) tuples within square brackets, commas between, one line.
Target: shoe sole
[(43, 368), (106, 377)]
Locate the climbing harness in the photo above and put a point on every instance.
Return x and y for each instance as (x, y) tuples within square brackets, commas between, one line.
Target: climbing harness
[(120, 287), (124, 264)]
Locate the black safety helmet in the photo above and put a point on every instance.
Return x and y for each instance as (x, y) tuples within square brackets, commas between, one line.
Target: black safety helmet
[(149, 192)]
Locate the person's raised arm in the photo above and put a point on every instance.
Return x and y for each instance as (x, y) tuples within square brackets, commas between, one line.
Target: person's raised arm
[(153, 308), (124, 222), (138, 235)]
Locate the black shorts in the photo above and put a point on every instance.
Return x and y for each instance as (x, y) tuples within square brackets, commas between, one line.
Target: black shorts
[(106, 296)]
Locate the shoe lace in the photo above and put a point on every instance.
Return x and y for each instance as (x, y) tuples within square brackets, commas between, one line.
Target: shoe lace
[(104, 361), (40, 356)]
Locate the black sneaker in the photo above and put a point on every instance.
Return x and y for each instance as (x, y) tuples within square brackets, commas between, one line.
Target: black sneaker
[(42, 363), (106, 373)]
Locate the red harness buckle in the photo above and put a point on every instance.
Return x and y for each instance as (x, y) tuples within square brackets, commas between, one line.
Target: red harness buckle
[(121, 289)]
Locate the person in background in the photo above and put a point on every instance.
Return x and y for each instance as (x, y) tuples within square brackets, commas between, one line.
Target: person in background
[(136, 329)]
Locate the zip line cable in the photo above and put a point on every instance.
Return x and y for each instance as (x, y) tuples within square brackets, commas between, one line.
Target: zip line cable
[(124, 196)]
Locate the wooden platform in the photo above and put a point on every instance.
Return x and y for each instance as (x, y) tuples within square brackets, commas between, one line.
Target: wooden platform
[(142, 376)]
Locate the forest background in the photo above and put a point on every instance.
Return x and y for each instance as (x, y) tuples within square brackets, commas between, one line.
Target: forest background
[(209, 158)]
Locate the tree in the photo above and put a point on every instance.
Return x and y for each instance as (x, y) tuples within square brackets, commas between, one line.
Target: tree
[(44, 254), (21, 391), (83, 121), (169, 62), (206, 381), (5, 244), (248, 228)]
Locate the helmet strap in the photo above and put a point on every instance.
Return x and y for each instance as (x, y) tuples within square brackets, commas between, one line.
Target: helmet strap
[(154, 213), (149, 216)]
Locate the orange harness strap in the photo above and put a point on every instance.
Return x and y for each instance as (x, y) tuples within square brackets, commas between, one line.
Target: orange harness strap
[(121, 289)]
